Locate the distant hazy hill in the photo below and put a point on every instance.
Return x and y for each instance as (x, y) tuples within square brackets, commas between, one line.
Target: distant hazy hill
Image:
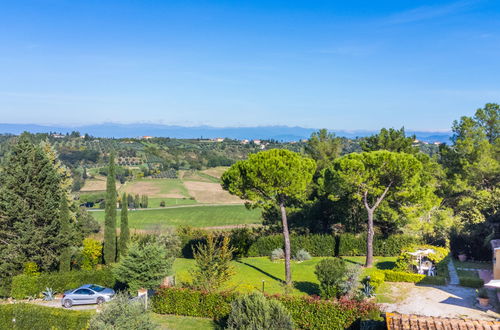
[(280, 133)]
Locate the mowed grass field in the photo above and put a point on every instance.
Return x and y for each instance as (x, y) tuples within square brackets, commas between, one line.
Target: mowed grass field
[(196, 216), (251, 273)]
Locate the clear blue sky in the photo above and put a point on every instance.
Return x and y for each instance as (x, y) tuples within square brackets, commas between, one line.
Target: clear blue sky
[(334, 64)]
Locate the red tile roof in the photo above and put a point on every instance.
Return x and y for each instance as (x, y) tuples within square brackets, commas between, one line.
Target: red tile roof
[(400, 321)]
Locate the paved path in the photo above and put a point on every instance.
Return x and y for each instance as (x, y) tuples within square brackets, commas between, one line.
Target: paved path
[(444, 301), (453, 274)]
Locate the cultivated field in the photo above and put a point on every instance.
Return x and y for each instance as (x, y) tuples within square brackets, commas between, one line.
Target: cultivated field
[(156, 188), (196, 216), (98, 183)]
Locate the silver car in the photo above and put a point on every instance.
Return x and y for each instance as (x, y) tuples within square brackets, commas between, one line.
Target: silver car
[(87, 294)]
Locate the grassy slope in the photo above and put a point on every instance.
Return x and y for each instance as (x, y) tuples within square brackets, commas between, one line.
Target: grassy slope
[(250, 272), (196, 216)]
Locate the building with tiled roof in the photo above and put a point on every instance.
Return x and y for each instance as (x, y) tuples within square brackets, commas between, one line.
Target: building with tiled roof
[(401, 321)]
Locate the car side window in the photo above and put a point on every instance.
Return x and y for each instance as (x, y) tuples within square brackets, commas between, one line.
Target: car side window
[(84, 291)]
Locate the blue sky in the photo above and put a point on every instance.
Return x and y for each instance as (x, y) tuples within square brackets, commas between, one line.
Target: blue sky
[(334, 64)]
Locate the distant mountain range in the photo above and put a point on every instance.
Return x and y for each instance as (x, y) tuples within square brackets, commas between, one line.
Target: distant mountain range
[(280, 133)]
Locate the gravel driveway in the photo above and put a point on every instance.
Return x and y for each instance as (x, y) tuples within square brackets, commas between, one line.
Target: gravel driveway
[(444, 301)]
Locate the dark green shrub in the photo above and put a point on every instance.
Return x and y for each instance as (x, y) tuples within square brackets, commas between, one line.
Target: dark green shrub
[(24, 286), (121, 313), (320, 245), (330, 273), (192, 303), (471, 282), (254, 311), (145, 266), (31, 316)]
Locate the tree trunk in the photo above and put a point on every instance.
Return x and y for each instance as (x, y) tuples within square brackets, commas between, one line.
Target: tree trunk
[(286, 238), (369, 240)]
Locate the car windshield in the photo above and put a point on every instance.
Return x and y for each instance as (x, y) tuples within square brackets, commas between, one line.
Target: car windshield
[(96, 288)]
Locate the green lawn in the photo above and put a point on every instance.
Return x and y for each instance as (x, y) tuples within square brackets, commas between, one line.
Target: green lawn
[(183, 322), (473, 264), (251, 272), (196, 216)]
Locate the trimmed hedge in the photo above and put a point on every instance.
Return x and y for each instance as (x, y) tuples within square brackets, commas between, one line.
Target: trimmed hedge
[(471, 282), (30, 316), (307, 313), (320, 245), (24, 286), (395, 276)]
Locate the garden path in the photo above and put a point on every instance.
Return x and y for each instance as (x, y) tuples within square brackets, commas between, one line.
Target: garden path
[(453, 274), (444, 301)]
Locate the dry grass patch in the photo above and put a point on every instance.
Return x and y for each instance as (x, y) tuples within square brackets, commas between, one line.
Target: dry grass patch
[(209, 192), (216, 172), (98, 183)]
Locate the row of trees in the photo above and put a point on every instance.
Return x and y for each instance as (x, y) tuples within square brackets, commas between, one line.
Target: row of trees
[(390, 186)]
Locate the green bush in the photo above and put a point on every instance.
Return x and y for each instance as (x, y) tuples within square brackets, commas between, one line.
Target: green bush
[(31, 316), (330, 273), (121, 313), (471, 282), (254, 311), (24, 286), (306, 312), (377, 277)]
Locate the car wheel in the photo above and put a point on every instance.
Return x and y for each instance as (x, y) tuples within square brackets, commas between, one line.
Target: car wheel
[(68, 303), (100, 300)]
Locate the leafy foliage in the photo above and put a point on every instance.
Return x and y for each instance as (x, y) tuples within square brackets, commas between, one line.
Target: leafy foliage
[(32, 316), (124, 230), (331, 273), (254, 311), (123, 314), (110, 217), (306, 312), (145, 266), (91, 253), (24, 286), (213, 264)]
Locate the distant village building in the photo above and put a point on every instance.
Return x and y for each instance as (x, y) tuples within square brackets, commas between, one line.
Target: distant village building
[(218, 140), (437, 143), (58, 136), (257, 142), (245, 141), (146, 137)]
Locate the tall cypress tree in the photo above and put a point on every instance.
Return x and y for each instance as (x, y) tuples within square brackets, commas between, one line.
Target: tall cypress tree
[(124, 231), (64, 216), (110, 215), (30, 195)]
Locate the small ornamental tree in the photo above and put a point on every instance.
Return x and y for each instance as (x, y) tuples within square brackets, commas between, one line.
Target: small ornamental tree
[(330, 273), (110, 214), (212, 263), (91, 253), (145, 266), (124, 230), (272, 178), (254, 311)]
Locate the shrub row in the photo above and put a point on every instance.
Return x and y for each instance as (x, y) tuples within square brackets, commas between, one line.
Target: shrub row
[(327, 245), (24, 286), (395, 276), (471, 282), (307, 313), (30, 316)]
